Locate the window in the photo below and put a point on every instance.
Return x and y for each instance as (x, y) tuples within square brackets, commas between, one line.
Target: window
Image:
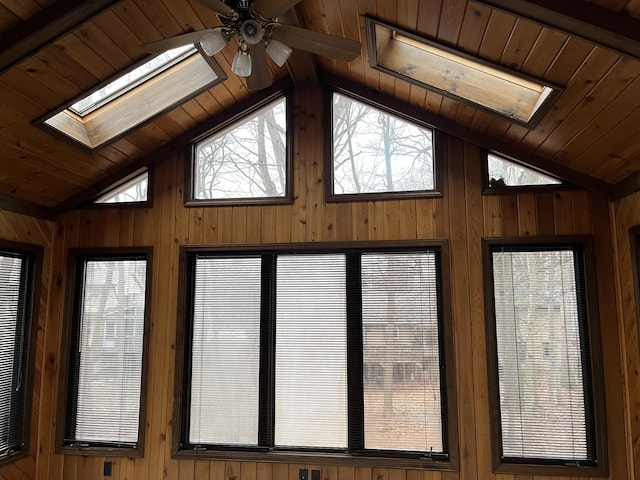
[(133, 189), (511, 94), (275, 362), (247, 162), (504, 173), (542, 357), (375, 152), (18, 311), (106, 344), (143, 92)]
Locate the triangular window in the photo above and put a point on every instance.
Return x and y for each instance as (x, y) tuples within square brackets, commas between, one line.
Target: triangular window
[(133, 190), (507, 173)]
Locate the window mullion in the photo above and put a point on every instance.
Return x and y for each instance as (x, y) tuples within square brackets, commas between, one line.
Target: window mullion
[(354, 352), (266, 425)]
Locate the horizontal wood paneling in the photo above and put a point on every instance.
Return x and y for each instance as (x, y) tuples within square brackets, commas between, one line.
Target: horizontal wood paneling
[(463, 216), (25, 229)]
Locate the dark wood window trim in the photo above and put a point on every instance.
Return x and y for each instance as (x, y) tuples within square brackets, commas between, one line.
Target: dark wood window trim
[(582, 246), (362, 457), (228, 123), (148, 203), (32, 277), (75, 264), (634, 240), (395, 110)]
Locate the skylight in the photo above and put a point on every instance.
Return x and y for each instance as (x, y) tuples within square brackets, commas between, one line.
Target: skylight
[(135, 77), (130, 100), (492, 87)]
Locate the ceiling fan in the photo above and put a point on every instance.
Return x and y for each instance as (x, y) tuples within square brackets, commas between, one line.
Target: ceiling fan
[(254, 25)]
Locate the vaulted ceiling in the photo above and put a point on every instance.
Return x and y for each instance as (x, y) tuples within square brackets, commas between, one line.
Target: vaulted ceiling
[(51, 51)]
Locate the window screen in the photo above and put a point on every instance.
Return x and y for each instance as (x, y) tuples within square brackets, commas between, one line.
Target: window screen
[(107, 343), (15, 329), (543, 362), (314, 351)]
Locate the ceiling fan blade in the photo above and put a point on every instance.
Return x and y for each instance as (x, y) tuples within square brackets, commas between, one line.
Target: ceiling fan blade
[(273, 8), (220, 7), (162, 46), (317, 42), (260, 73)]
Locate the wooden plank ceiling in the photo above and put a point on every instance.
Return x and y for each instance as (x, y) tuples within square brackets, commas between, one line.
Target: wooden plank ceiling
[(45, 62)]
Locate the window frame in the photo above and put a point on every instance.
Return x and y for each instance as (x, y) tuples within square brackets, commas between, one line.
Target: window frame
[(487, 189), (397, 111), (364, 457), (229, 123), (73, 296), (77, 130), (148, 203), (634, 242), (582, 246), (34, 255)]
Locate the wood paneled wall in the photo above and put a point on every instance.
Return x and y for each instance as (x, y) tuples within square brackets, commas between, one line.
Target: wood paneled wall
[(463, 216), (25, 229), (627, 216)]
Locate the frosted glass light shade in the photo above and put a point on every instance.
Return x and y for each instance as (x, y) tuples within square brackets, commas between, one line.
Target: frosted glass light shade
[(241, 64), (214, 42), (278, 51)]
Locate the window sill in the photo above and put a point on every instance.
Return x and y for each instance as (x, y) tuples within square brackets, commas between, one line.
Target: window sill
[(565, 470), (307, 457)]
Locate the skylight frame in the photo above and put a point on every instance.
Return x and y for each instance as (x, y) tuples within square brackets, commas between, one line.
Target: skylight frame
[(180, 54), (461, 60), (110, 122)]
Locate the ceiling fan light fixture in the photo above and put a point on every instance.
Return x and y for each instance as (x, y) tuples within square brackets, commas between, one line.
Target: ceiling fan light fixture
[(214, 42), (241, 65), (278, 51), (251, 31)]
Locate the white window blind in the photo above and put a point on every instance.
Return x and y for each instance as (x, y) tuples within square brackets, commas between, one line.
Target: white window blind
[(14, 331), (311, 351), (225, 351), (543, 377), (402, 388), (108, 360)]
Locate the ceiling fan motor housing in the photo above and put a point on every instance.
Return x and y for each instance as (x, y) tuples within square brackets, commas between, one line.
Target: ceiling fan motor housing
[(251, 31)]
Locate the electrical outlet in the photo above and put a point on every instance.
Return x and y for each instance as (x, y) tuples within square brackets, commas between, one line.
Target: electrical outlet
[(315, 474), (106, 469), (304, 474)]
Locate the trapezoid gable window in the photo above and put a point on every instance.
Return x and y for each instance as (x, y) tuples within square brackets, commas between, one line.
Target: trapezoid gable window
[(247, 161), (377, 153), (275, 360), (101, 407), (544, 361), (19, 271)]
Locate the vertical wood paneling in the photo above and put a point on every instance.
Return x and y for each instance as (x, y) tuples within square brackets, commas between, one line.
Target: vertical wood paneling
[(462, 216)]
